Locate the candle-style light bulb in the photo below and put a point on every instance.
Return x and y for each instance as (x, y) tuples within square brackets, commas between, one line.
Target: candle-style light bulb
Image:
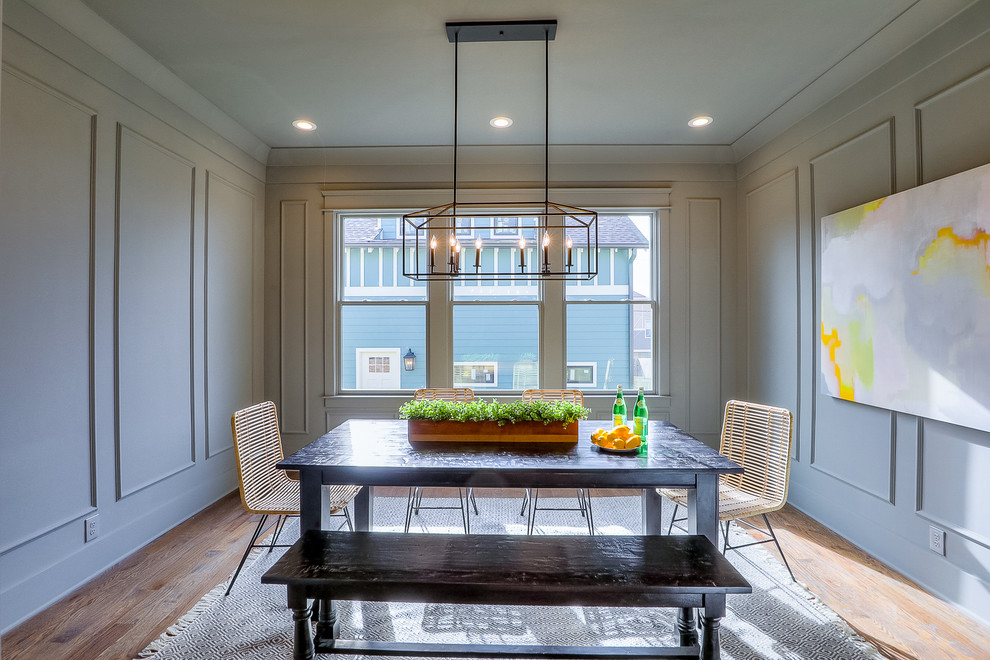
[(477, 253), (457, 257), (453, 240), (570, 243), (546, 250), (433, 251), (522, 253)]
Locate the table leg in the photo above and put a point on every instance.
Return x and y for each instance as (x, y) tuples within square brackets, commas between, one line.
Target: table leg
[(363, 513), (314, 504), (703, 507), (652, 506)]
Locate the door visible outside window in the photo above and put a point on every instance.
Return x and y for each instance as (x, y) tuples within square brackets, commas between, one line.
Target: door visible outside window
[(378, 368)]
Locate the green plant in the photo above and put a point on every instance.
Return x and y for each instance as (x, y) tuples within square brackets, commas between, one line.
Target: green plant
[(564, 412)]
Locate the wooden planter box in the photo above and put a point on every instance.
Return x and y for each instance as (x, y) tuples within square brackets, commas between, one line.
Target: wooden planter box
[(422, 430)]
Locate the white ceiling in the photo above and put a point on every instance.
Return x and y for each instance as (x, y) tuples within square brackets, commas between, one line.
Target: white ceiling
[(380, 72)]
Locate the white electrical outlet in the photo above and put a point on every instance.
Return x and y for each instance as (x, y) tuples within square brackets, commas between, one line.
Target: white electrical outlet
[(92, 527), (936, 540)]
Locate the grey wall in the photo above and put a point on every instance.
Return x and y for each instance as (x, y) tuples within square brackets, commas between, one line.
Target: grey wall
[(131, 277), (699, 369), (877, 477)]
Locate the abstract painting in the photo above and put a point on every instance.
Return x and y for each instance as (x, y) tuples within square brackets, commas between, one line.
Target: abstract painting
[(905, 301)]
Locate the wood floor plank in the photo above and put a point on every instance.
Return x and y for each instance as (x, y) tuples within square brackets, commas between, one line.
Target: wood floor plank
[(120, 612)]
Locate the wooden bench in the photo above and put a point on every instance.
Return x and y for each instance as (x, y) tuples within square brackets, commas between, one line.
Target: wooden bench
[(685, 572)]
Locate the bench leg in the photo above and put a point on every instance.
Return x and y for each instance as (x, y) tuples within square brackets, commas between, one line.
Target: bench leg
[(710, 648), (302, 648), (327, 624), (687, 631), (711, 619)]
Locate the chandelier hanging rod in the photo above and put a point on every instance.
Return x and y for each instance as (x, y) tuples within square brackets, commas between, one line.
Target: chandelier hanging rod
[(574, 230)]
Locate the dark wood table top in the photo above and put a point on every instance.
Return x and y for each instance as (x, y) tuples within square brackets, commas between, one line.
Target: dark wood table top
[(378, 453)]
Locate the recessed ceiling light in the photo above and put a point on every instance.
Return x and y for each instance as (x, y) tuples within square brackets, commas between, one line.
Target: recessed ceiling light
[(304, 125), (700, 120), (501, 122)]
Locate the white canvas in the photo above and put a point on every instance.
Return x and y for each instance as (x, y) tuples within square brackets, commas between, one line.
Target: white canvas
[(905, 301)]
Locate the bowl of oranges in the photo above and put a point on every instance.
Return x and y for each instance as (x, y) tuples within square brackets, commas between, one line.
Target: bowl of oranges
[(619, 440)]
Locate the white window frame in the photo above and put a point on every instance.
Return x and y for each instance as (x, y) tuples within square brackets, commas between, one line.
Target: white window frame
[(439, 297)]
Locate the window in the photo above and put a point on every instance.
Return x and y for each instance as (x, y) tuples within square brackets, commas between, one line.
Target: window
[(504, 336), (506, 227), (497, 328), (610, 318), (378, 307)]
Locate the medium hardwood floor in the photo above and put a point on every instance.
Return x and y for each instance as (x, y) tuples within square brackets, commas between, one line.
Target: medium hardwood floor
[(117, 614)]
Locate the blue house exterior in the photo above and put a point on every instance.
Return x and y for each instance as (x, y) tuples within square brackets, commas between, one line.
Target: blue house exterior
[(495, 346)]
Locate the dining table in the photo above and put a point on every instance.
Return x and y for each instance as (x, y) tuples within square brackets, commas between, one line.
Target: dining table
[(377, 452)]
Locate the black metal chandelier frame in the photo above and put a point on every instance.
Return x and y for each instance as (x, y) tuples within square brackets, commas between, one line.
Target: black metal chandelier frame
[(431, 248)]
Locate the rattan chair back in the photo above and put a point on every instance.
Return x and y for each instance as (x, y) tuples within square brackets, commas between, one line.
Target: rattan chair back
[(574, 396), (258, 447), (444, 394), (758, 437)]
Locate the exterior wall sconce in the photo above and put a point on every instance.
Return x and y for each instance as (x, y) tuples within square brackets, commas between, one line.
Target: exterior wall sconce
[(409, 360)]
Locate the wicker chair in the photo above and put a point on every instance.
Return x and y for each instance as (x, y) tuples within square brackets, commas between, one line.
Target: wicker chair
[(757, 437), (415, 501), (532, 497), (265, 489)]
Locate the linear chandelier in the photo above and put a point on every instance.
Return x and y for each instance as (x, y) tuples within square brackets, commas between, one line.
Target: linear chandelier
[(544, 240)]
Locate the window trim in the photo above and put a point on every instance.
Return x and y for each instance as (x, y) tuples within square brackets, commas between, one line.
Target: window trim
[(654, 200)]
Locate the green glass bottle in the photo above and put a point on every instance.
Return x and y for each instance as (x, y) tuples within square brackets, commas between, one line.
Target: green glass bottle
[(619, 409), (641, 417)]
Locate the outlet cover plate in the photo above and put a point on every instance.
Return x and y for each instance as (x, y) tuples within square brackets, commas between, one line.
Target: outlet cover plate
[(936, 540), (92, 527)]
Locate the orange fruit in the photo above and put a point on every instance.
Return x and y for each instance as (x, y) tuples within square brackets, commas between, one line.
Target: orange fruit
[(622, 431), (633, 441)]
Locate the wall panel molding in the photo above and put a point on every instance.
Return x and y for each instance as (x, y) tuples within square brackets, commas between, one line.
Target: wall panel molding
[(49, 362), (155, 425), (773, 230), (704, 220), (228, 307), (952, 129), (952, 464), (293, 318), (852, 171)]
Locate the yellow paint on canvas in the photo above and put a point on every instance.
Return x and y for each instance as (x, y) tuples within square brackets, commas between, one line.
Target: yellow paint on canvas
[(832, 342), (949, 252), (848, 221)]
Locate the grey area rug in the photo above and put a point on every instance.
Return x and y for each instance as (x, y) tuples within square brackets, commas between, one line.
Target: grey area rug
[(779, 619)]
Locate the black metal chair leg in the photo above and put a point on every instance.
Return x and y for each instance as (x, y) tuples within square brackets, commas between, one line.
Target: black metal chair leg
[(591, 517), (465, 513), (534, 498), (347, 517), (409, 509), (254, 538), (779, 549), (526, 498), (673, 519), (279, 524)]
